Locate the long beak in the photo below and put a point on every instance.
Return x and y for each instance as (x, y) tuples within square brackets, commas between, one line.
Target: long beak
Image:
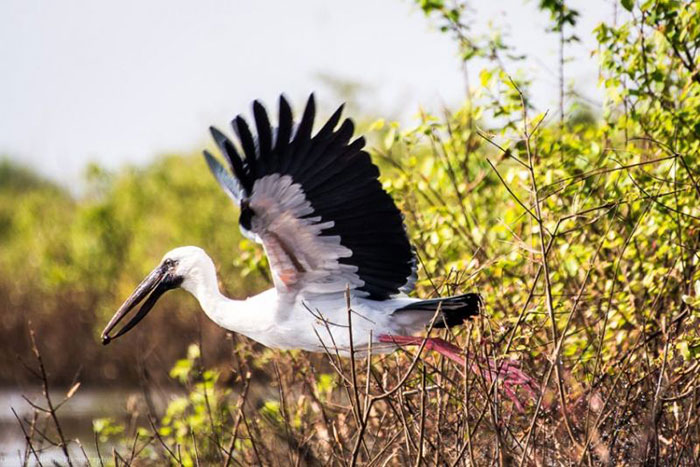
[(155, 285)]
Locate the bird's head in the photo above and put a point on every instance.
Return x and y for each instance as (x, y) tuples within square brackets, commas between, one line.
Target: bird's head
[(181, 267)]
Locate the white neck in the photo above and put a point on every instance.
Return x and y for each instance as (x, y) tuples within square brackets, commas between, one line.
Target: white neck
[(249, 317), (201, 282)]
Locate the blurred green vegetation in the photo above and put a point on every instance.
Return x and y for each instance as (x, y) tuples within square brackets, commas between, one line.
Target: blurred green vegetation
[(68, 263), (581, 232)]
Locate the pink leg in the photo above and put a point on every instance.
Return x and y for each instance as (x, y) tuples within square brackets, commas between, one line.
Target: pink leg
[(506, 372)]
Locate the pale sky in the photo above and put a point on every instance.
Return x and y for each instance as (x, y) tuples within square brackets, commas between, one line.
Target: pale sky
[(120, 82)]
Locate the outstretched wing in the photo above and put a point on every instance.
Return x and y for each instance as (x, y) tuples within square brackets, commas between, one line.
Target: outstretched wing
[(316, 205)]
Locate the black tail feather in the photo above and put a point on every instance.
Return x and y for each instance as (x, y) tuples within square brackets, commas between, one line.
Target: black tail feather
[(454, 310)]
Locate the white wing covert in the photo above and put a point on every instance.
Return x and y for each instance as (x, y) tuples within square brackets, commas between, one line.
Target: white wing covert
[(316, 205)]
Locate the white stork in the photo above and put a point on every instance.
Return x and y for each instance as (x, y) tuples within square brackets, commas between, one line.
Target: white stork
[(316, 205)]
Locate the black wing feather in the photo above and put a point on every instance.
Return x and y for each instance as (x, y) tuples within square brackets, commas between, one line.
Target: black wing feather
[(330, 125), (256, 165), (284, 132), (339, 181), (234, 159), (262, 124), (303, 133)]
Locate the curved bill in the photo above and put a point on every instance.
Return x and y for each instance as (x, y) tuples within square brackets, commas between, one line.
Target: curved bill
[(155, 285)]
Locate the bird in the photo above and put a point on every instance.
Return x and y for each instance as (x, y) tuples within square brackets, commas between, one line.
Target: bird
[(338, 249)]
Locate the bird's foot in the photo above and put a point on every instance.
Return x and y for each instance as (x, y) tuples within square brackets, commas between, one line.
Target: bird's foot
[(509, 375), (506, 372)]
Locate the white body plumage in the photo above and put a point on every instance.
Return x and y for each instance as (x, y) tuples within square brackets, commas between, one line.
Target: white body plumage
[(314, 322)]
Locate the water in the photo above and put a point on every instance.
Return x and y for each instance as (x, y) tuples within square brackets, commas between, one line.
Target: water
[(75, 416)]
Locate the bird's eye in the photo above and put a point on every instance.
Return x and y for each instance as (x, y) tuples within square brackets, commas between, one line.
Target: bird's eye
[(169, 263)]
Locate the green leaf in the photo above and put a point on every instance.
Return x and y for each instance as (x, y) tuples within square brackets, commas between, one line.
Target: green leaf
[(485, 77)]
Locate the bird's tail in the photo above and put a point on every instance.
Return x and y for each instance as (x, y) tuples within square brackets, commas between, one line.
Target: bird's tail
[(453, 310)]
